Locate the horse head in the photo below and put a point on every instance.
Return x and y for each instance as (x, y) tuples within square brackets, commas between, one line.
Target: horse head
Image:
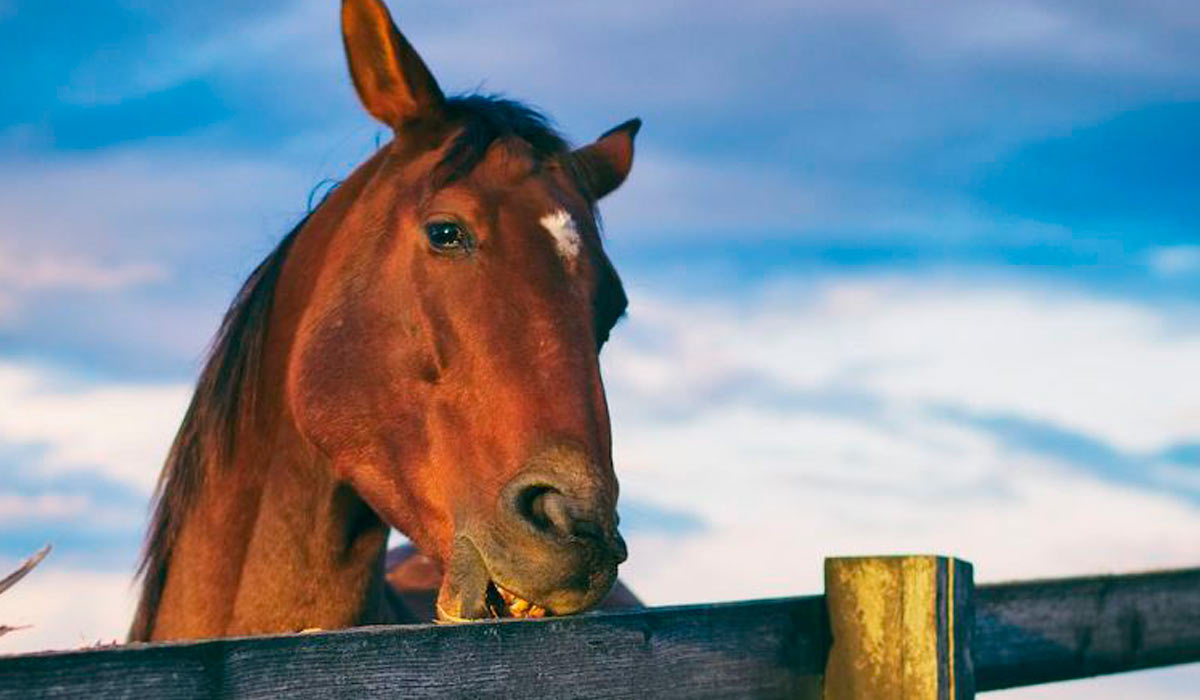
[(446, 361)]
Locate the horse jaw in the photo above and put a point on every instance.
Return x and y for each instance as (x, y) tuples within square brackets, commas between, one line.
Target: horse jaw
[(463, 595)]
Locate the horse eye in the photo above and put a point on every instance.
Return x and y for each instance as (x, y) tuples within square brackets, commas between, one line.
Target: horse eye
[(446, 236)]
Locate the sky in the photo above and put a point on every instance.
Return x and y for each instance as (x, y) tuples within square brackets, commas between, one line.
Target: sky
[(904, 277)]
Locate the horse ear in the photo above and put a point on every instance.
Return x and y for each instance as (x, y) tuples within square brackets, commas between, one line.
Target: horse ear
[(605, 163), (392, 80)]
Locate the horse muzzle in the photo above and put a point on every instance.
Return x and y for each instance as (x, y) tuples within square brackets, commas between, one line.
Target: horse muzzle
[(552, 548)]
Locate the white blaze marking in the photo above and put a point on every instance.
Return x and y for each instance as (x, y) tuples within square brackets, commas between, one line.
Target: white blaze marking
[(566, 237)]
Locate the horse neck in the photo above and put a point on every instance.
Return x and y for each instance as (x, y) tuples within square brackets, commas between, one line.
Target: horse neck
[(273, 542)]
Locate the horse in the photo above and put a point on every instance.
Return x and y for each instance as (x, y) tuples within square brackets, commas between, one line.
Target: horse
[(421, 352)]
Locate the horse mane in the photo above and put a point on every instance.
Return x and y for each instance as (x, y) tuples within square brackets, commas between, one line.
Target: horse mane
[(227, 390), (486, 119), (225, 397)]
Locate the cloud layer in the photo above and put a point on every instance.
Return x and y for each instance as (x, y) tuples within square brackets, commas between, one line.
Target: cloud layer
[(117, 431), (853, 416)]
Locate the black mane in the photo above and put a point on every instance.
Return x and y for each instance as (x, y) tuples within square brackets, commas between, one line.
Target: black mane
[(486, 119)]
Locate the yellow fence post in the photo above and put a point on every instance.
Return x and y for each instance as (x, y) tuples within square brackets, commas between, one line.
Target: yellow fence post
[(901, 628)]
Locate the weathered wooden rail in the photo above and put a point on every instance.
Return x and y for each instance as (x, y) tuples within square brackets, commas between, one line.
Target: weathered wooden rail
[(883, 627)]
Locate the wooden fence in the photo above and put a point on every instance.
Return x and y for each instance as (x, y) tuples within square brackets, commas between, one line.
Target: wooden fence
[(890, 627)]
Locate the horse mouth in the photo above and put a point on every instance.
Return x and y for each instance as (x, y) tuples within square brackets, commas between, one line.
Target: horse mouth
[(499, 603), (470, 592), (474, 588), (502, 603)]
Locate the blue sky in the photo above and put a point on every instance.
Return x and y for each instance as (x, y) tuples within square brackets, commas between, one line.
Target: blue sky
[(922, 243)]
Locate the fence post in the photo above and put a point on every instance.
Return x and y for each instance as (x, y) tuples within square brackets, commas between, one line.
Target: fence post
[(901, 628)]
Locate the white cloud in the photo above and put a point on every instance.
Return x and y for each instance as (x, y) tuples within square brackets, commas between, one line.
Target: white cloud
[(1173, 683), (1105, 368), (133, 215), (27, 273), (768, 530), (17, 508), (119, 431), (802, 424), (144, 204), (66, 273), (306, 31), (65, 609), (63, 508), (1171, 261), (680, 197)]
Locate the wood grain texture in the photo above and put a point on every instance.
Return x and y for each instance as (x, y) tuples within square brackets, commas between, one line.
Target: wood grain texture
[(1025, 633), (900, 628), (1036, 632), (768, 649), (956, 621)]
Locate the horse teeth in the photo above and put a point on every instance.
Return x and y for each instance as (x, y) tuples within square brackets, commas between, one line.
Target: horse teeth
[(516, 606)]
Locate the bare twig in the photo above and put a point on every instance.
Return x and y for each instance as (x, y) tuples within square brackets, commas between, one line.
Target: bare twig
[(26, 566), (11, 580)]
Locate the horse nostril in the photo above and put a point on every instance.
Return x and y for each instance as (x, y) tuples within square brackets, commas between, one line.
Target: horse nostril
[(556, 512), (553, 513), (545, 508)]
